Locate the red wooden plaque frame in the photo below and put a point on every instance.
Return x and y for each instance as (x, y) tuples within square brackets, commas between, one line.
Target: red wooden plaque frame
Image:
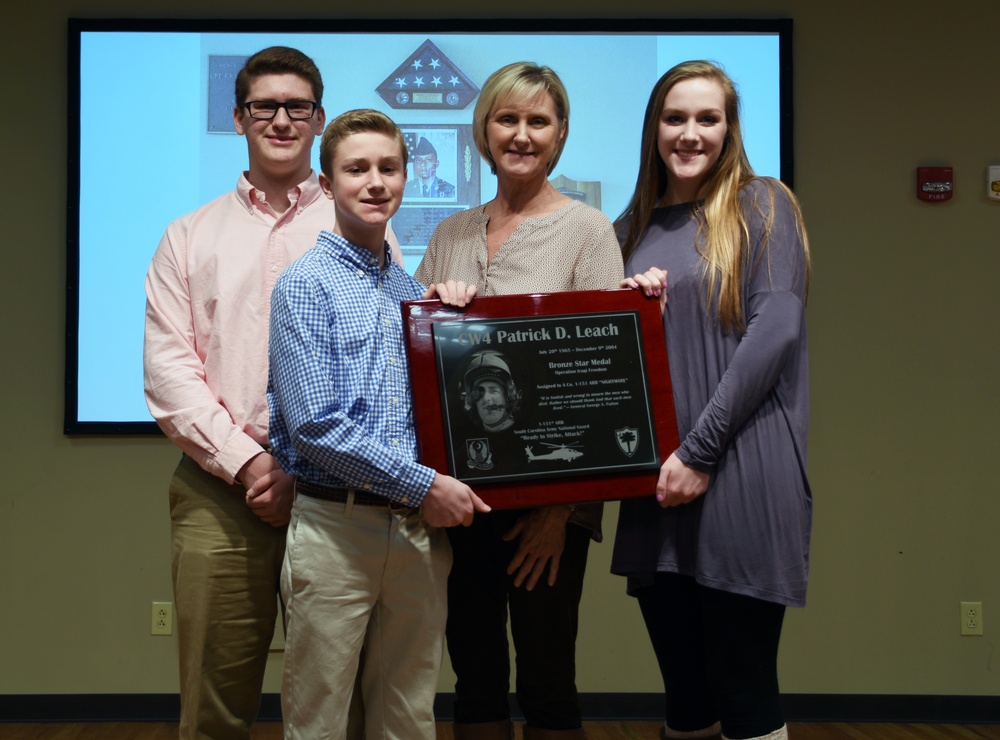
[(418, 318)]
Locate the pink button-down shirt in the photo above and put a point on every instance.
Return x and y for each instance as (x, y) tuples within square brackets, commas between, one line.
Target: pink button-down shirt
[(208, 302)]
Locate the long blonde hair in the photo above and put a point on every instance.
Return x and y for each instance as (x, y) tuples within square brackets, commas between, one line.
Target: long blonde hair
[(723, 235)]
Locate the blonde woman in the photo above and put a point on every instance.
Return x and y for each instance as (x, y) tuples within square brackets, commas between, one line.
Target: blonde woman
[(529, 239), (721, 549)]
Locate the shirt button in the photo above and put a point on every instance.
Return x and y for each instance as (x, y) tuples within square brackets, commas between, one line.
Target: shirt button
[(392, 360), (274, 268), (395, 401), (368, 486), (361, 273), (395, 443)]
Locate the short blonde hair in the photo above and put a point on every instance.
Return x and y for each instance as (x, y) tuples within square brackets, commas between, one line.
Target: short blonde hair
[(523, 81), (358, 121)]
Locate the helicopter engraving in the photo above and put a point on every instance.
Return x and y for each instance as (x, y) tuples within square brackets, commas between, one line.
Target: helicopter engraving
[(560, 452)]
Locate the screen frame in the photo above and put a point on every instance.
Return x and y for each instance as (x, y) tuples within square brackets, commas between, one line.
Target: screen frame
[(77, 27)]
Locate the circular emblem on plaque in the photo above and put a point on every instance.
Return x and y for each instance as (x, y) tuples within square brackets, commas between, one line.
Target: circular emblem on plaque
[(402, 97), (452, 98)]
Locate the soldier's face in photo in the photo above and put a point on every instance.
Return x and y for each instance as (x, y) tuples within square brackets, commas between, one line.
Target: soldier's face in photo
[(425, 166), (492, 404)]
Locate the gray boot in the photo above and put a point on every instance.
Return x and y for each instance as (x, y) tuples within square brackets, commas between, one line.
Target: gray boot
[(502, 730)]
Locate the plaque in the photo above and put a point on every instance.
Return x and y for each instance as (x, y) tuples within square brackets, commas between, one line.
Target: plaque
[(442, 179), (222, 71), (544, 398)]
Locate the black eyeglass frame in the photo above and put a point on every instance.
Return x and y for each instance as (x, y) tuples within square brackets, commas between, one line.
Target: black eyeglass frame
[(315, 106)]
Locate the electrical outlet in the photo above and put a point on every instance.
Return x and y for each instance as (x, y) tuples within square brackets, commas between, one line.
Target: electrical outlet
[(972, 618), (162, 621)]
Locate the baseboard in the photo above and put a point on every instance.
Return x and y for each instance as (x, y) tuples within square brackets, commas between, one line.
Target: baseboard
[(596, 707)]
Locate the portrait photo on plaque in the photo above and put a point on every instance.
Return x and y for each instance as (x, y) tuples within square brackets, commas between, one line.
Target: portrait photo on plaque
[(561, 395), (443, 178), (433, 170)]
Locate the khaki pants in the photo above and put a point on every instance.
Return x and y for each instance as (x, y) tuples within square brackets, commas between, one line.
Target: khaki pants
[(362, 578), (226, 566)]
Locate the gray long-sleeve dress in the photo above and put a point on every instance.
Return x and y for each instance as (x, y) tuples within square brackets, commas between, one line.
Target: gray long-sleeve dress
[(742, 402)]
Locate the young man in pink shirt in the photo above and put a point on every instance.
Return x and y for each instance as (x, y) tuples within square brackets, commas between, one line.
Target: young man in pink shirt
[(208, 306)]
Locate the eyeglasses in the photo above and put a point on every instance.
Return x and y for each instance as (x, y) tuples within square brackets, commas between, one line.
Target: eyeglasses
[(297, 110)]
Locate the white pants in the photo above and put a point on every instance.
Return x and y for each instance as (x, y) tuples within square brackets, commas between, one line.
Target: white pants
[(353, 578)]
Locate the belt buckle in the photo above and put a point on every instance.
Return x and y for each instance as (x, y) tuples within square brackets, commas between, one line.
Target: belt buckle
[(397, 508)]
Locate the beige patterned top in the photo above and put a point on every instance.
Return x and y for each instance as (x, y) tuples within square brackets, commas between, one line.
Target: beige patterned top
[(573, 248)]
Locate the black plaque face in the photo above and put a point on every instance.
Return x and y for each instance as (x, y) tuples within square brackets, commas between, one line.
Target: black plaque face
[(545, 396)]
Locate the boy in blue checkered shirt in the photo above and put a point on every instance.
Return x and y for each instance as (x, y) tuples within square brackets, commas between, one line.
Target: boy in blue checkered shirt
[(367, 560)]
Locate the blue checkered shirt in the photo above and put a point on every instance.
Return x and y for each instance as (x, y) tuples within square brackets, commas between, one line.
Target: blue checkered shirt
[(338, 385)]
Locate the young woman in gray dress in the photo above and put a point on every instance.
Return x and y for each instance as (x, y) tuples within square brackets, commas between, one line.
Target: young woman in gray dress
[(721, 549)]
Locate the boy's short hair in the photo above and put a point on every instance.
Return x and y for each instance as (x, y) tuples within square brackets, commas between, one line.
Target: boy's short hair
[(276, 60), (358, 121)]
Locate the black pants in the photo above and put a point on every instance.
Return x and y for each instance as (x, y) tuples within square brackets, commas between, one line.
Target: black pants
[(718, 655), (543, 625)]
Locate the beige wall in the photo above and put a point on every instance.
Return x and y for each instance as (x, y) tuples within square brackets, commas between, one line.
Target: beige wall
[(903, 322)]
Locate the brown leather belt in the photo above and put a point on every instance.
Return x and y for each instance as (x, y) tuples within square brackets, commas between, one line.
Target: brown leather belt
[(341, 495)]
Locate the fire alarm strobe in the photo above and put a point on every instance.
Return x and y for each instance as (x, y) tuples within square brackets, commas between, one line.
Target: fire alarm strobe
[(935, 183)]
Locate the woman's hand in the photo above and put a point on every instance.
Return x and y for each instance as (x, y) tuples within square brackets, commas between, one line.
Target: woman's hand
[(542, 534), (453, 293), (653, 283), (679, 484)]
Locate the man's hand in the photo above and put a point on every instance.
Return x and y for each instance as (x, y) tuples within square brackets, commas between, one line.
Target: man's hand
[(450, 502), (543, 537), (451, 293), (679, 484), (270, 490)]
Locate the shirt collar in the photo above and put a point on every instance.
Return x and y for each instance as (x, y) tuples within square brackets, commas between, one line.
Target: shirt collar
[(302, 195), (351, 253)]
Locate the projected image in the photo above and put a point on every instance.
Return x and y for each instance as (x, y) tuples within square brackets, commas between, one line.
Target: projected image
[(443, 177), (426, 80), (424, 181)]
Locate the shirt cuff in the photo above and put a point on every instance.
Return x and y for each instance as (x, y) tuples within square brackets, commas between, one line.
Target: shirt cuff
[(414, 487), (231, 459)]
